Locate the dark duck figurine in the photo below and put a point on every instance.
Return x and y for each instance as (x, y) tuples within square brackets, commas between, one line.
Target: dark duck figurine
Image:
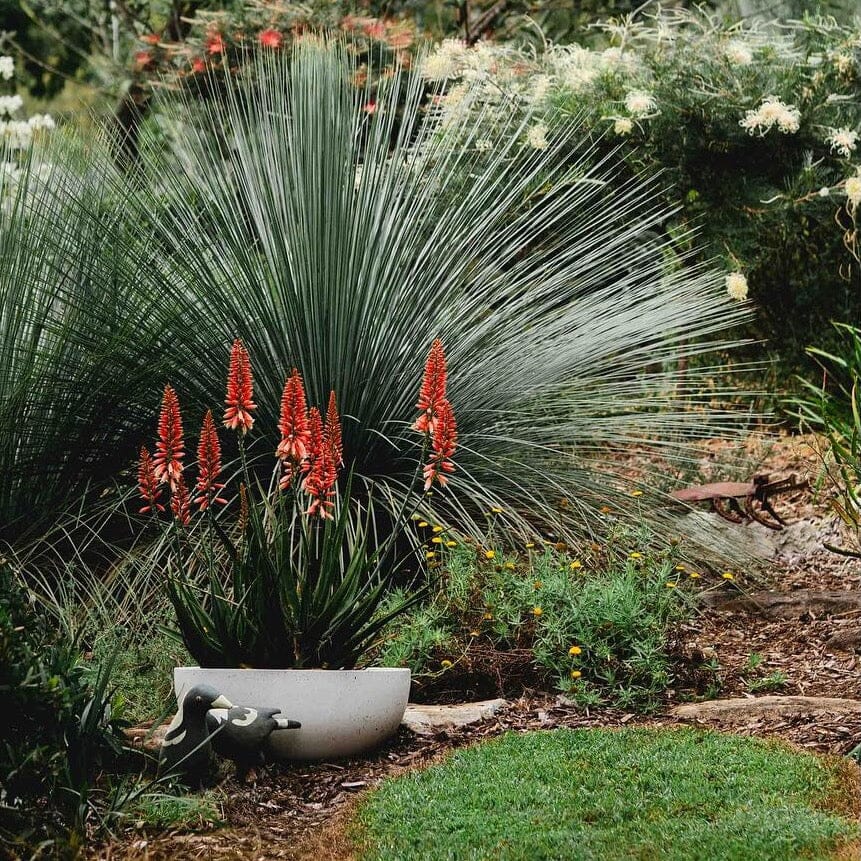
[(186, 750), (239, 733)]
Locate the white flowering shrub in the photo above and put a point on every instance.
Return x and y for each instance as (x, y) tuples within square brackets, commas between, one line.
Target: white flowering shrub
[(16, 134), (754, 132)]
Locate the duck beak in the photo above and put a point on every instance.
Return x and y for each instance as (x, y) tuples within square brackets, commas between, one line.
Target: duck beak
[(221, 703)]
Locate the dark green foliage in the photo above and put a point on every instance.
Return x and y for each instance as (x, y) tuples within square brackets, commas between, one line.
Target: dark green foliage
[(289, 590), (618, 616), (57, 731), (834, 409)]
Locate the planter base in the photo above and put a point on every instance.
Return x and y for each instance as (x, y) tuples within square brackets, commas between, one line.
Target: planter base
[(342, 712)]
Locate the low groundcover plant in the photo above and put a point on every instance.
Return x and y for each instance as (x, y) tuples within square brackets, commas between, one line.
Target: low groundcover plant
[(298, 579)]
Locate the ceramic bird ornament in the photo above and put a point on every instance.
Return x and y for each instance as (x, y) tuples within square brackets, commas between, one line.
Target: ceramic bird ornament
[(239, 733), (186, 750)]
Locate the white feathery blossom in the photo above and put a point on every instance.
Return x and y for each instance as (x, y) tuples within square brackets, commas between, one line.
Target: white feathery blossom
[(38, 122), (579, 78), (623, 125), (852, 188), (772, 113), (446, 61), (640, 103), (540, 87), (845, 64), (843, 141), (10, 105), (736, 286), (7, 68), (738, 53), (17, 134), (536, 137)]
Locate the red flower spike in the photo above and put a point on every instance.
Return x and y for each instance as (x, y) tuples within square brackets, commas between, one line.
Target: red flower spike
[(169, 449), (315, 439), (270, 38), (215, 44), (179, 502), (443, 446), (320, 485), (198, 65), (240, 390), (432, 392), (148, 483), (209, 464), (332, 432), (294, 421)]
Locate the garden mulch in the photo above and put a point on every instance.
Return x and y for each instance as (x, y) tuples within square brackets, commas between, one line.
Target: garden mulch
[(290, 811)]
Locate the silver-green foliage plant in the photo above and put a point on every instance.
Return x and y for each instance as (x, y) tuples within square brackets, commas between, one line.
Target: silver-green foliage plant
[(339, 230)]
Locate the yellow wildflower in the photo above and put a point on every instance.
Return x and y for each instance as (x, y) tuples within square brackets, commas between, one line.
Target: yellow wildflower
[(436, 540), (496, 510), (430, 554), (451, 544), (635, 555), (509, 566), (529, 545), (681, 568), (575, 565), (575, 650), (537, 611), (728, 575), (445, 664), (488, 617), (437, 528), (636, 493), (423, 523), (537, 584), (694, 576), (575, 674), (670, 585), (604, 509), (490, 554)]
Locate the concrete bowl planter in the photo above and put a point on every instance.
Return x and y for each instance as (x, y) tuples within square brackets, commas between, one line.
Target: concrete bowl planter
[(343, 712)]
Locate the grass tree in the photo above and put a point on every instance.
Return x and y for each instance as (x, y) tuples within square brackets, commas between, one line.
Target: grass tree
[(339, 230)]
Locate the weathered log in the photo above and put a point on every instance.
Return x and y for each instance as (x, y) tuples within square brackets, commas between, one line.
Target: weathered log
[(784, 605), (740, 709)]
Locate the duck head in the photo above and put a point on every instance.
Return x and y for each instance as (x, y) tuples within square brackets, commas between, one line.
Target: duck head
[(201, 698)]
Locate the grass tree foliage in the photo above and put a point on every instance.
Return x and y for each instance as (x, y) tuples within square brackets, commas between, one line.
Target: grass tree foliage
[(338, 231)]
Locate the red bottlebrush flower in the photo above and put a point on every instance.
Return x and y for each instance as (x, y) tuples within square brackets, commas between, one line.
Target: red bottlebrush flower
[(198, 65), (432, 392), (332, 432), (370, 107), (215, 44), (209, 465), (315, 439), (443, 444), (270, 38), (148, 483), (320, 485), (143, 59), (170, 448), (180, 503), (294, 421), (374, 29), (240, 390)]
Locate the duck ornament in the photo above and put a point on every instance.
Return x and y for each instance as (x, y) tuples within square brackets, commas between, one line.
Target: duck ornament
[(207, 721), (186, 750), (240, 733)]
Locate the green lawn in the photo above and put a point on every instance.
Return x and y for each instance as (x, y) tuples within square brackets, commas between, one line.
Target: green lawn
[(641, 794)]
